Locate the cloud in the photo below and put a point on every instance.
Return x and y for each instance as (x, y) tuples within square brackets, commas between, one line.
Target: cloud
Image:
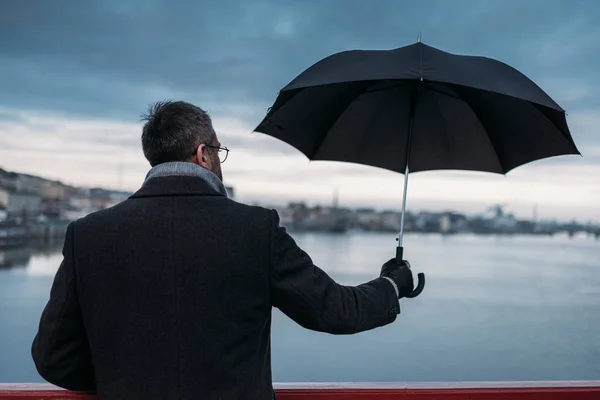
[(88, 152), (76, 76), (85, 148), (108, 59)]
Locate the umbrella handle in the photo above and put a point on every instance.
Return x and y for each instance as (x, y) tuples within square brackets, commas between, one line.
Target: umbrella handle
[(420, 276), (419, 288)]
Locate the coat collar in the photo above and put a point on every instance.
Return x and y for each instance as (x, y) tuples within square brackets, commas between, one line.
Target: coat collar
[(181, 168), (175, 185)]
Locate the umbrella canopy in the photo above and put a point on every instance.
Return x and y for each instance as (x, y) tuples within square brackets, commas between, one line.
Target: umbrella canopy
[(470, 113), (417, 108)]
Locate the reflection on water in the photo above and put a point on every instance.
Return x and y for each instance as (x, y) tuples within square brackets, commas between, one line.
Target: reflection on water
[(24, 256), (494, 308)]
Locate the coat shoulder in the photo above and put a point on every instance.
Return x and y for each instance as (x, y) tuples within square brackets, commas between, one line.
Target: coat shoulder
[(131, 207)]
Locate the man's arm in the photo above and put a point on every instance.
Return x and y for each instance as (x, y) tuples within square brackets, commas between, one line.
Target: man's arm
[(60, 349), (310, 297)]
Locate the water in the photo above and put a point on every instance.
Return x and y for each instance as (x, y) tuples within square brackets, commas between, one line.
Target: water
[(520, 308)]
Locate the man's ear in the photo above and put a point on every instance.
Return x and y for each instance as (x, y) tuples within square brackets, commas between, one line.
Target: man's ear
[(202, 156)]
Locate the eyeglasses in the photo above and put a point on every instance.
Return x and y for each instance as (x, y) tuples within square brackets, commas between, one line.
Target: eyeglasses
[(223, 152)]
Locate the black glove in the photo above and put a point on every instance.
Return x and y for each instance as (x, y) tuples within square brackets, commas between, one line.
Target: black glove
[(401, 275)]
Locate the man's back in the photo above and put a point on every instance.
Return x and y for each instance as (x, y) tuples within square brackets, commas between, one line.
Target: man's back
[(177, 288), (174, 289)]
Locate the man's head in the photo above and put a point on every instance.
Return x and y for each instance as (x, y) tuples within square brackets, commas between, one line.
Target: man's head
[(180, 131)]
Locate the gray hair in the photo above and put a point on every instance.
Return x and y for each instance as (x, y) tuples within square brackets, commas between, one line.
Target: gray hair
[(173, 130)]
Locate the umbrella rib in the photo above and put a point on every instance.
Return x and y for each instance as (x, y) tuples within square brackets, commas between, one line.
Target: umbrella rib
[(434, 89), (395, 84), (487, 135), (459, 97), (567, 136), (421, 54), (326, 131), (439, 109)]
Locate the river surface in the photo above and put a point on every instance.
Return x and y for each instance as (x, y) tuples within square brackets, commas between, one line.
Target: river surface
[(494, 308)]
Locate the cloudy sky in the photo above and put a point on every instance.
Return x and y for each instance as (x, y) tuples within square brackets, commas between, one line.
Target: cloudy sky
[(75, 77)]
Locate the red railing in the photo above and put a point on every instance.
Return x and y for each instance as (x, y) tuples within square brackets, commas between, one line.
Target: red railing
[(550, 390)]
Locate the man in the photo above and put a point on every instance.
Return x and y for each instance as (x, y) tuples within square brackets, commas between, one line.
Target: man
[(168, 295)]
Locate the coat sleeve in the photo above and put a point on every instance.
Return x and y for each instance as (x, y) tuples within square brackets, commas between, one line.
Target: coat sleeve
[(60, 349), (314, 300)]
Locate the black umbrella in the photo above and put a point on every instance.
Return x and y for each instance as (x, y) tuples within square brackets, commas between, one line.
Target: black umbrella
[(417, 108)]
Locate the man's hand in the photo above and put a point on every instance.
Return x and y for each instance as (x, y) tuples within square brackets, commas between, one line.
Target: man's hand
[(401, 275)]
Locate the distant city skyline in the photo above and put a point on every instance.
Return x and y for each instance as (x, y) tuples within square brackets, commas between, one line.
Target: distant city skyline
[(520, 210), (74, 84)]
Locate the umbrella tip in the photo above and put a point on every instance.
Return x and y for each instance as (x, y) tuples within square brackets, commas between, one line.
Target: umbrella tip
[(419, 38)]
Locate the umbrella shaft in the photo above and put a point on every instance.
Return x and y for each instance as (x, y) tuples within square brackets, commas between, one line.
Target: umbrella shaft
[(413, 104), (401, 236)]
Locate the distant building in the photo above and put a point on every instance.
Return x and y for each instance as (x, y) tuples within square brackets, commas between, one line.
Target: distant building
[(505, 223), (8, 180), (3, 197), (55, 191), (426, 222), (451, 222), (3, 213), (81, 203), (16, 182), (445, 223), (99, 198), (286, 216), (30, 184), (501, 221), (370, 219), (103, 198), (390, 221), (117, 197), (20, 202), (366, 217)]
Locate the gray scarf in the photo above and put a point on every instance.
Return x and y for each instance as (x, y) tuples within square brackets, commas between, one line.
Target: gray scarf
[(181, 168)]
